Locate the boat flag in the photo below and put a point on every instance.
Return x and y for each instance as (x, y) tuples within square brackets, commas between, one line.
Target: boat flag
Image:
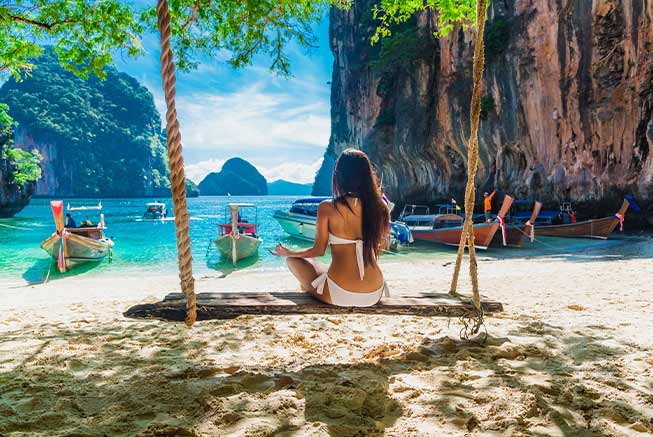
[(387, 201), (455, 204), (632, 203), (502, 224)]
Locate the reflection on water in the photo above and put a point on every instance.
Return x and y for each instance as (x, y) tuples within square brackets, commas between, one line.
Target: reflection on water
[(144, 247)]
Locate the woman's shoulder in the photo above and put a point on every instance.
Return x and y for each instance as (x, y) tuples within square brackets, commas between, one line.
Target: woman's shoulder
[(326, 206)]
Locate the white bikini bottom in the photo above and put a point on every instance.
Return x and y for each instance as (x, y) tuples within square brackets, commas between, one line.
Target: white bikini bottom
[(340, 296)]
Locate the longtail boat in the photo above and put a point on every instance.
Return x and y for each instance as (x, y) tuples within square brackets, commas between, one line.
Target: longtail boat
[(238, 239), (446, 227), (514, 234), (596, 228), (73, 246)]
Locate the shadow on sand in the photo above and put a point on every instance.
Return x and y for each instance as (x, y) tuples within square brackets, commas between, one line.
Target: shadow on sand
[(158, 379)]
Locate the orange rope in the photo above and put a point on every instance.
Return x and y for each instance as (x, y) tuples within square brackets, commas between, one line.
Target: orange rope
[(177, 177)]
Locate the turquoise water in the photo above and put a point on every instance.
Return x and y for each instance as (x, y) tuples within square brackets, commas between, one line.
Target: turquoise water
[(140, 246), (150, 247)]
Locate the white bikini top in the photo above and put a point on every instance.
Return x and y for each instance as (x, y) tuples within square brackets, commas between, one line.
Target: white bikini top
[(335, 240)]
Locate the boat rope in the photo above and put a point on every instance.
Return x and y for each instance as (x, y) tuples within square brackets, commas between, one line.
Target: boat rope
[(14, 227), (177, 176), (467, 237), (47, 276)]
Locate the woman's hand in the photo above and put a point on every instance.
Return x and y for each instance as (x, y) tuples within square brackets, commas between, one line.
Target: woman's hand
[(281, 251)]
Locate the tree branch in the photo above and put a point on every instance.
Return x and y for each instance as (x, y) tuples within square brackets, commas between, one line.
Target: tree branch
[(193, 16), (47, 26)]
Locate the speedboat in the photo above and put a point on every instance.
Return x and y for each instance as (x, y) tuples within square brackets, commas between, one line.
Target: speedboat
[(155, 211), (238, 237), (73, 246), (300, 221)]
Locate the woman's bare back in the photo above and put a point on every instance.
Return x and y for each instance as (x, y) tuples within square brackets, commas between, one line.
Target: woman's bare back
[(347, 223)]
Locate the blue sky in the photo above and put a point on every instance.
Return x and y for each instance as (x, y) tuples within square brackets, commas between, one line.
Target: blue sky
[(279, 124)]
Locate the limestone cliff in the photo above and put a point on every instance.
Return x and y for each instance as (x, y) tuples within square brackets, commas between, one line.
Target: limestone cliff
[(567, 102)]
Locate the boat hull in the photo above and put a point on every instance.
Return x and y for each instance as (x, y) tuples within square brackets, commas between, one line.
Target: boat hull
[(599, 228), (515, 236), (79, 249), (246, 246), (296, 225), (483, 235)]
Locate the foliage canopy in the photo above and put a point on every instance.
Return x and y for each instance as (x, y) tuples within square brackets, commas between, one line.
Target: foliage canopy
[(449, 12), (86, 34)]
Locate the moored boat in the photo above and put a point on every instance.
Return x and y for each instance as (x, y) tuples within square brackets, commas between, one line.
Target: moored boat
[(516, 230), (299, 221), (72, 246), (239, 238), (600, 228), (155, 211), (446, 226)]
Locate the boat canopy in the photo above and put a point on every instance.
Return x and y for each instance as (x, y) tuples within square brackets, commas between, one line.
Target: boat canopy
[(312, 199), (241, 205), (97, 207), (156, 204)]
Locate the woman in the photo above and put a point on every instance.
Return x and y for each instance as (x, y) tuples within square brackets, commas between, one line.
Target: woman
[(356, 225)]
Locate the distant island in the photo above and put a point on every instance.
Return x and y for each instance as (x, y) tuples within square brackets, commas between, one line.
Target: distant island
[(281, 187), (237, 177)]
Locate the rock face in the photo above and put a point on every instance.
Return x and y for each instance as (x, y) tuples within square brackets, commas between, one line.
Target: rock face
[(567, 102), (98, 138), (13, 197), (237, 177)]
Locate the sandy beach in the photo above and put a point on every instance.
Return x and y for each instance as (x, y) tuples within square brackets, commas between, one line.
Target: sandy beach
[(572, 355)]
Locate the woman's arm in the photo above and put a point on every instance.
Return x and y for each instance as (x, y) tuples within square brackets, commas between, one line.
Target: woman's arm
[(321, 236)]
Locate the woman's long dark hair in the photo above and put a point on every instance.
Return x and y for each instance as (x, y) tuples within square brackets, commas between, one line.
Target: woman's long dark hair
[(353, 176)]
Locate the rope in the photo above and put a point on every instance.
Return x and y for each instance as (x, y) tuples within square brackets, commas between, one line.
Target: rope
[(467, 236), (177, 177)]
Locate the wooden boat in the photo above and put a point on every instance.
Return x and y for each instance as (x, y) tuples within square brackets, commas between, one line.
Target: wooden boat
[(74, 246), (516, 232), (238, 239), (597, 228), (447, 227)]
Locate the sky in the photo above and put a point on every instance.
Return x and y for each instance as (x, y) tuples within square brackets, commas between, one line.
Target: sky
[(281, 125)]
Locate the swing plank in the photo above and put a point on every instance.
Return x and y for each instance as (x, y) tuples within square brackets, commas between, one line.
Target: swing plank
[(231, 305)]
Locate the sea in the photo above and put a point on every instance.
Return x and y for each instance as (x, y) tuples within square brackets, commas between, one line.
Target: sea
[(149, 248)]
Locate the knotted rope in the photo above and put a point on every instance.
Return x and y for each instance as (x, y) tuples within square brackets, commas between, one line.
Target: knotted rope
[(467, 236), (177, 177)]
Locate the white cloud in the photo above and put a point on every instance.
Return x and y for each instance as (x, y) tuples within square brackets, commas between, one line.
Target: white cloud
[(251, 118), (197, 172), (290, 171)]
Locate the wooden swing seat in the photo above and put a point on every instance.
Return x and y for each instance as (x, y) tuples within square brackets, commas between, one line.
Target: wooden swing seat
[(224, 305)]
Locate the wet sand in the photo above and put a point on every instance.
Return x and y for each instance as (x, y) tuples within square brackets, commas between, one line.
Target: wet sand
[(572, 355)]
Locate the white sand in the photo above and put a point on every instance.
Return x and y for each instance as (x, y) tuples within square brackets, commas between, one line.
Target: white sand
[(571, 356)]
